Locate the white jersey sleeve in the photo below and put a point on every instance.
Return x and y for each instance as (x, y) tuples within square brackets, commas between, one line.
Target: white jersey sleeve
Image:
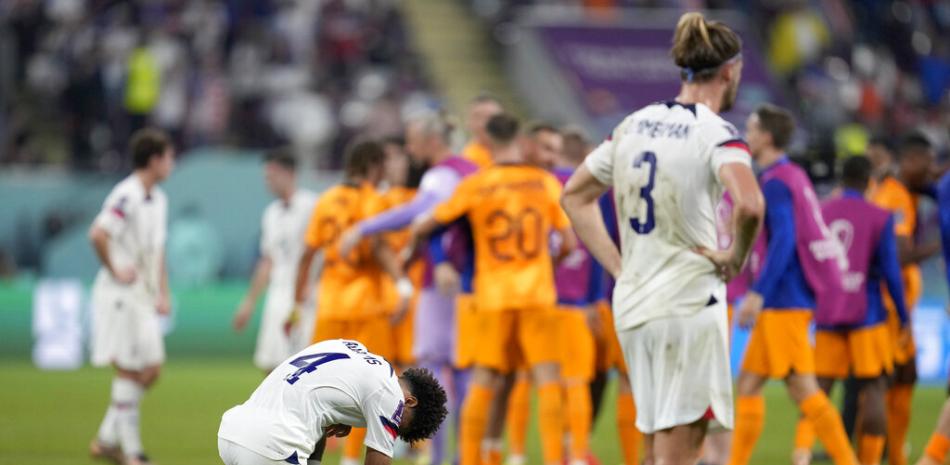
[(383, 412), (725, 144), (600, 162), (116, 210)]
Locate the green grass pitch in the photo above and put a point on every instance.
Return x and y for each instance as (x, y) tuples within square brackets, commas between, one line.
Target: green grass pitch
[(48, 418)]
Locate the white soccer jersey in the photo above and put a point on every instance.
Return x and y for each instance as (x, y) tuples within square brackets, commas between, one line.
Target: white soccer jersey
[(282, 230), (331, 382), (663, 163), (137, 227)]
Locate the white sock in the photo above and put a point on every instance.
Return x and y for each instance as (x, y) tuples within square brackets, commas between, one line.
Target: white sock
[(126, 395), (346, 461), (108, 433), (313, 462)]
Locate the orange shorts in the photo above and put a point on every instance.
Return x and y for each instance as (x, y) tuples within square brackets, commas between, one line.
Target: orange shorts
[(779, 344), (466, 333), (402, 337), (904, 351), (609, 353), (864, 352), (512, 339), (577, 345), (374, 332)]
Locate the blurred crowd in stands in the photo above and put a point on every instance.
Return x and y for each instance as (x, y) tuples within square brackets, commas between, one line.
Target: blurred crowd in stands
[(854, 69), (78, 76)]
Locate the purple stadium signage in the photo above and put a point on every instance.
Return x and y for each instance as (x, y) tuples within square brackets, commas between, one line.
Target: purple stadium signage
[(615, 69)]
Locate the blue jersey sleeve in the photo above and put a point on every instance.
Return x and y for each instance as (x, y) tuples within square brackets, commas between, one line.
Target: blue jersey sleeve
[(436, 252), (887, 261), (780, 221), (595, 286), (943, 204)]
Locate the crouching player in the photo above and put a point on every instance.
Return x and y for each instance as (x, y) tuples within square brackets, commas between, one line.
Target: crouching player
[(324, 390)]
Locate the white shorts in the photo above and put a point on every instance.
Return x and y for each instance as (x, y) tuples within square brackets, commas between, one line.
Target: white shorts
[(679, 370), (236, 454), (273, 346), (126, 329)]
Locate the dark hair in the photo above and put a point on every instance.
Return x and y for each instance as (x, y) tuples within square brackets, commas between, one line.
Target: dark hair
[(700, 47), (361, 156), (430, 411), (485, 97), (883, 141), (502, 128), (856, 173), (914, 142), (542, 126), (778, 122), (575, 143), (416, 171), (282, 157), (147, 143), (395, 140)]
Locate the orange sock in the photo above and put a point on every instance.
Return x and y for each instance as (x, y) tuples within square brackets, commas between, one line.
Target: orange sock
[(491, 452), (353, 447), (937, 447), (870, 449), (579, 419), (898, 421), (829, 428), (474, 421), (804, 434), (750, 419), (630, 436), (551, 420), (519, 406)]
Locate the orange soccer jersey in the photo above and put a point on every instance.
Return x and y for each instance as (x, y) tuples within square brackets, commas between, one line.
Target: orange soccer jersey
[(477, 154), (349, 286), (512, 209), (893, 196)]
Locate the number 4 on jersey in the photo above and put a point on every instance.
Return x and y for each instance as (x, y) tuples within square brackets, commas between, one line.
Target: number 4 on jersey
[(309, 363), (646, 226)]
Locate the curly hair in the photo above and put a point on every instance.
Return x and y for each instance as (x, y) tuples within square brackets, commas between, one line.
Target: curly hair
[(430, 412)]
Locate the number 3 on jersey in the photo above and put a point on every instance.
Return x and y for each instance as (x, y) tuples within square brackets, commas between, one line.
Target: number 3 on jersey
[(644, 227)]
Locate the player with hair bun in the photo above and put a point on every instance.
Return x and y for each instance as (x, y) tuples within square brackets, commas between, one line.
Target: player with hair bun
[(669, 164)]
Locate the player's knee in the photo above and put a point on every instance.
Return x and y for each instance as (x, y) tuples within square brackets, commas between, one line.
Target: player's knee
[(749, 384), (801, 387)]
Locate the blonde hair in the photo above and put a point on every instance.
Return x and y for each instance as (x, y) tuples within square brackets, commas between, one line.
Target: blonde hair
[(700, 47)]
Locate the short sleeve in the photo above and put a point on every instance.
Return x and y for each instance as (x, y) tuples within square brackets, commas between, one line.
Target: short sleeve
[(600, 162), (116, 211), (727, 146), (905, 216), (459, 203), (383, 415)]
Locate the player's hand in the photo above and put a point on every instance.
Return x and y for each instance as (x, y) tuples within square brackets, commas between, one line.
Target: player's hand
[(292, 319), (124, 276), (163, 305), (447, 279), (406, 290), (349, 240), (593, 319), (242, 316), (905, 338), (339, 431), (726, 263), (749, 310)]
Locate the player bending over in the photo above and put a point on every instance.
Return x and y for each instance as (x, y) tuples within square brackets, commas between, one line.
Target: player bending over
[(324, 390)]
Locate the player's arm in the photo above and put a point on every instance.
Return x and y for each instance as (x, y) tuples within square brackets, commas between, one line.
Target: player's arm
[(375, 457), (943, 204), (164, 294), (259, 280), (908, 251), (106, 224), (780, 219), (581, 203), (747, 213), (887, 262), (446, 212)]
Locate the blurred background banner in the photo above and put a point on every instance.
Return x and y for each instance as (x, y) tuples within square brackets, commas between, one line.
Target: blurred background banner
[(605, 66)]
